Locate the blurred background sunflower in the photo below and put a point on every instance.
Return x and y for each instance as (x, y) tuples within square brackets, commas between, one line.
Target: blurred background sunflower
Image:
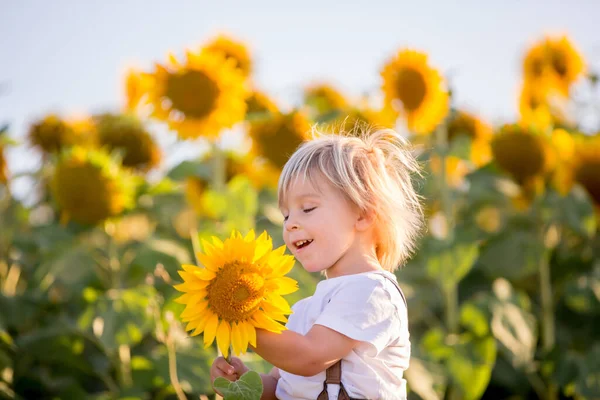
[(89, 187), (415, 90)]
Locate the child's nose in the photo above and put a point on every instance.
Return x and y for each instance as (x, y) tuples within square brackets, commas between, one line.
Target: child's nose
[(292, 225)]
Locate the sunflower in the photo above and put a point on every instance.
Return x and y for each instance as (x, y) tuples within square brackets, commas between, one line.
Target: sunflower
[(259, 106), (479, 132), (199, 97), (415, 90), (52, 133), (232, 50), (238, 289), (522, 153), (88, 186), (555, 60), (323, 99), (277, 138), (127, 134)]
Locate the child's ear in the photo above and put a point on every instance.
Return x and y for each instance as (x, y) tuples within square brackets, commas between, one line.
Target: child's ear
[(365, 221)]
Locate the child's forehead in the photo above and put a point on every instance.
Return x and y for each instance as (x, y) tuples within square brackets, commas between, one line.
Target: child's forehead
[(304, 186)]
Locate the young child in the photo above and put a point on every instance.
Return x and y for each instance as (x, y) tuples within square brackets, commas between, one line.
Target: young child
[(350, 211)]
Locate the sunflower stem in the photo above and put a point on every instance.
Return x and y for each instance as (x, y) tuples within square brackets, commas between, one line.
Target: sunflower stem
[(219, 168), (173, 367), (450, 289)]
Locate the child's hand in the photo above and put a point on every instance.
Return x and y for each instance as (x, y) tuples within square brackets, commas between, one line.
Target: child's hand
[(230, 371)]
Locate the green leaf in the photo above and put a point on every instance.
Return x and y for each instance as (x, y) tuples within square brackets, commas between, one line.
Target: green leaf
[(513, 254), (449, 263), (248, 387), (588, 382), (471, 364)]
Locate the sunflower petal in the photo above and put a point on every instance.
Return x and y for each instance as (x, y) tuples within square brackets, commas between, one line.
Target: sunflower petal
[(250, 333), (201, 325), (243, 337), (223, 337), (279, 302), (286, 285), (250, 236), (236, 338), (189, 268), (264, 322), (205, 274), (208, 262), (210, 331)]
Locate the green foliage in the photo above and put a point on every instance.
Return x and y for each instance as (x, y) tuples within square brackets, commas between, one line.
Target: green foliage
[(248, 387)]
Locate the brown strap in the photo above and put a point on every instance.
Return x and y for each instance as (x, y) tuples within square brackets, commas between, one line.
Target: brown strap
[(334, 373)]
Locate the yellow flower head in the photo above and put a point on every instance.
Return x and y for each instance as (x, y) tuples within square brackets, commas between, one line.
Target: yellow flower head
[(324, 99), (239, 288), (521, 153), (199, 97), (232, 50), (278, 137), (456, 169), (555, 60), (52, 134), (88, 186), (480, 133), (415, 90), (127, 134)]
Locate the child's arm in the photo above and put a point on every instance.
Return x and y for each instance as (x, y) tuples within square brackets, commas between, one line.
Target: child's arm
[(304, 355), (270, 384)]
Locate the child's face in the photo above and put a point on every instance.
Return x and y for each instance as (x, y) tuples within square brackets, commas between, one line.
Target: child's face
[(319, 226)]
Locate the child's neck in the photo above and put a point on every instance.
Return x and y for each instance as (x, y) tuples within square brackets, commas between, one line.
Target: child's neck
[(350, 264)]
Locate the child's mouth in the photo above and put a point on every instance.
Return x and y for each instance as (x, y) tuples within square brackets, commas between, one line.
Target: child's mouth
[(301, 244)]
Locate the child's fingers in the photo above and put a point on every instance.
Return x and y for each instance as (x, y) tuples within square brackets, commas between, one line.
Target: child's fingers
[(239, 366), (222, 368)]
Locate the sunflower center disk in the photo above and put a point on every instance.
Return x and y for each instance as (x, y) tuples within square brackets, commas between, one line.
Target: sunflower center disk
[(236, 292), (192, 92), (411, 89)]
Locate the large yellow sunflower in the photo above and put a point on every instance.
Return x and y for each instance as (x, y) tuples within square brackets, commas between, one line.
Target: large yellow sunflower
[(522, 153), (88, 186), (200, 97), (324, 99), (127, 134), (480, 133), (278, 137), (238, 288), (555, 60), (52, 133), (415, 90), (232, 50)]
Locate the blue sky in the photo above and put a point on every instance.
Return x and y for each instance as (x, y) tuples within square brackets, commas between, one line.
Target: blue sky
[(68, 56)]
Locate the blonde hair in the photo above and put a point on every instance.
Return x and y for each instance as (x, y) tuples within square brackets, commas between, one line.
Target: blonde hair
[(374, 170)]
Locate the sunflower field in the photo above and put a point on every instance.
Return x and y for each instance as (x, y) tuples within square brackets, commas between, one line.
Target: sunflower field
[(502, 291)]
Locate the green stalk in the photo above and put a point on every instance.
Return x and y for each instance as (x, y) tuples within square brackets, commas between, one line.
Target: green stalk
[(548, 329), (449, 288), (219, 168)]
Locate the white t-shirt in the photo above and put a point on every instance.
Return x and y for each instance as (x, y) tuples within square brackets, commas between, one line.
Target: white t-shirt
[(365, 307)]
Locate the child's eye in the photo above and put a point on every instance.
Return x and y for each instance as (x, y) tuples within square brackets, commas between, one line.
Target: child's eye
[(285, 218), (309, 210)]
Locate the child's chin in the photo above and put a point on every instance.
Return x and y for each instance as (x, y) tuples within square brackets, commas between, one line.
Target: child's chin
[(313, 267)]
